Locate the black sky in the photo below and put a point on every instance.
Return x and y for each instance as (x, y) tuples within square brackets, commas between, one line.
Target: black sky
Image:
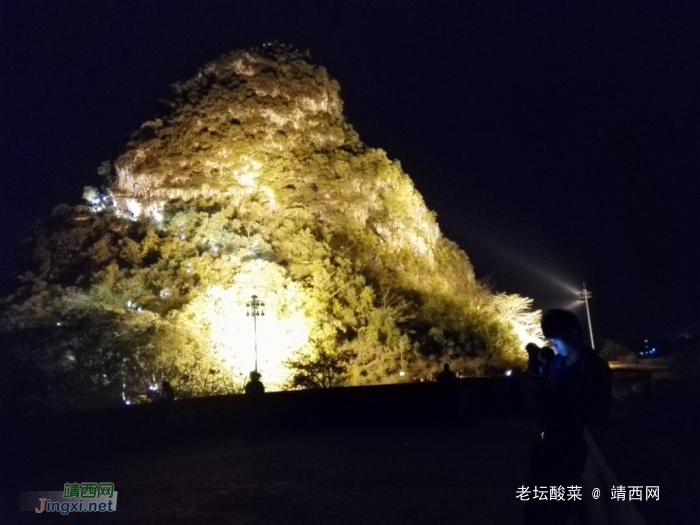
[(558, 142)]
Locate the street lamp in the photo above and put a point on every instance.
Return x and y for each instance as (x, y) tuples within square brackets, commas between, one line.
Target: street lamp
[(584, 296), (255, 309)]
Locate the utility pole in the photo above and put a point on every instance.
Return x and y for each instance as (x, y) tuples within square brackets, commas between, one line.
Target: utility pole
[(584, 296), (255, 309)]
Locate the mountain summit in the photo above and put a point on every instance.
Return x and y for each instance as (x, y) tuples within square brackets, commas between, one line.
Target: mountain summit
[(268, 124)]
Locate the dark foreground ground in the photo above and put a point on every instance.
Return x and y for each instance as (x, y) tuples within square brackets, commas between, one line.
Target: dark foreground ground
[(449, 475), (463, 470)]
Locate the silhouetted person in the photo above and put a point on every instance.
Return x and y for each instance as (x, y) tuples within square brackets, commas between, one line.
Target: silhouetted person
[(574, 390), (540, 360), (167, 395), (446, 375), (254, 388)]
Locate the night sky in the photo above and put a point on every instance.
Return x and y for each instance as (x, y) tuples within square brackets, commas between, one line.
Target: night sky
[(558, 142)]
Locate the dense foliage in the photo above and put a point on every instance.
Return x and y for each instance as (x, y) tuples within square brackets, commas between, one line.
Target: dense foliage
[(252, 183)]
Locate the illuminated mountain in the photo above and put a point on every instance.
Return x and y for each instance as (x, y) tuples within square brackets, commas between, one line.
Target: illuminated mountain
[(267, 125), (254, 183)]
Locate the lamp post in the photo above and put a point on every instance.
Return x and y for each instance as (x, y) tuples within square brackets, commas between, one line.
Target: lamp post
[(255, 309), (584, 296)]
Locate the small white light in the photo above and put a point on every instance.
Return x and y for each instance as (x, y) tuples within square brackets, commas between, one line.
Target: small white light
[(402, 373), (509, 372), (59, 324)]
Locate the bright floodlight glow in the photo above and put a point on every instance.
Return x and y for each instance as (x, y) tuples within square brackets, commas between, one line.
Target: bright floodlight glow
[(249, 173), (134, 207), (220, 314), (534, 266)]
